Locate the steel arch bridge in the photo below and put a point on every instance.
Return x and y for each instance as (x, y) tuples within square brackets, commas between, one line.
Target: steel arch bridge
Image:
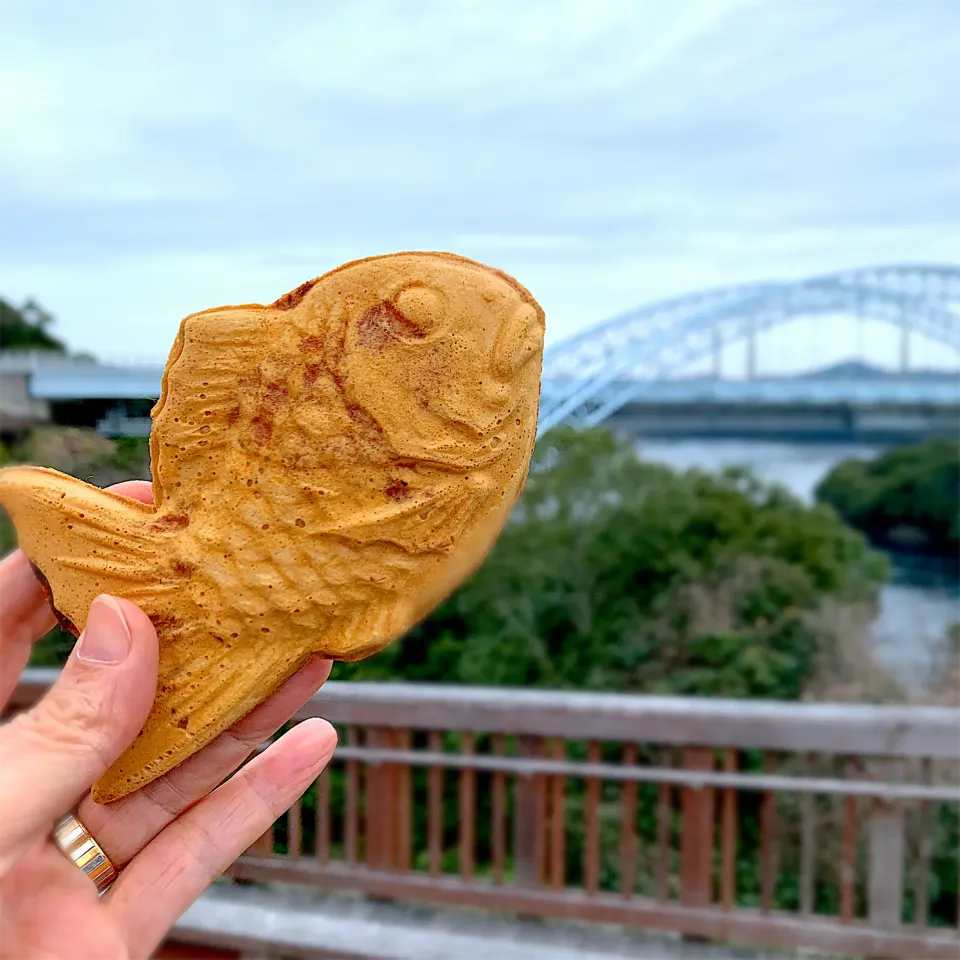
[(590, 376)]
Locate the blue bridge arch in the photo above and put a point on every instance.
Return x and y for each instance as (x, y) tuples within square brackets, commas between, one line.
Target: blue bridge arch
[(590, 376)]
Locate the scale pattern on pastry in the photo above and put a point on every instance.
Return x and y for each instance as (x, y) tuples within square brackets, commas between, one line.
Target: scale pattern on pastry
[(326, 469)]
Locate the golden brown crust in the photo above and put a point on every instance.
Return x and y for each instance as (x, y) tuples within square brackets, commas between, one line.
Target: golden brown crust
[(293, 297), (326, 469), (65, 622)]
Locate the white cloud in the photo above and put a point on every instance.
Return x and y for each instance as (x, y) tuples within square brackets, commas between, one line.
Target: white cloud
[(160, 158)]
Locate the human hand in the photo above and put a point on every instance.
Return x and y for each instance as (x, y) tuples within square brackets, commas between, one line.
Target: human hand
[(171, 838)]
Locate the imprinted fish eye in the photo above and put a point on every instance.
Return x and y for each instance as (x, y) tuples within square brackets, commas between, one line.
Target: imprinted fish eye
[(410, 315), (422, 306)]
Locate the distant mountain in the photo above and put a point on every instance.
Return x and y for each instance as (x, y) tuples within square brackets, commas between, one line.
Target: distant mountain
[(857, 370), (847, 370)]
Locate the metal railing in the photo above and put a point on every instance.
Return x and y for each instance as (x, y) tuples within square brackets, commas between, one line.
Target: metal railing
[(832, 827)]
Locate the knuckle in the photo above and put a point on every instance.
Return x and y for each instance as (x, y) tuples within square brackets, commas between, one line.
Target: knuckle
[(263, 794), (73, 720), (170, 796), (241, 743), (208, 846)]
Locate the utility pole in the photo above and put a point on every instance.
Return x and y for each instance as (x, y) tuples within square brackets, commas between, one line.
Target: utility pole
[(752, 348), (717, 353)]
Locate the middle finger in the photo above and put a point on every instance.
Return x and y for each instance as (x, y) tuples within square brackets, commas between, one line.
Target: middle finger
[(123, 828)]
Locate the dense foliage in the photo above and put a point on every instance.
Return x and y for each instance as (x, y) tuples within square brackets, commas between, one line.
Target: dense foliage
[(907, 499), (612, 574), (616, 574)]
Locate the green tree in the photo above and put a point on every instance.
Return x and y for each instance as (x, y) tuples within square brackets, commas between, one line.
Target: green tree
[(617, 574), (27, 328), (612, 574), (906, 499)]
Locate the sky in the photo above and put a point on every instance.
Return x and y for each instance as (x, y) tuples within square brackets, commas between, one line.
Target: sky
[(160, 158)]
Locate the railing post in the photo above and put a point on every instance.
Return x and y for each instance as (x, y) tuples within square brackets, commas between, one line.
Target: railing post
[(696, 833), (530, 809), (263, 845), (885, 877), (403, 811), (380, 804)]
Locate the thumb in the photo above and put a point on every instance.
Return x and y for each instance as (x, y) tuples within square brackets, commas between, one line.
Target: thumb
[(51, 754)]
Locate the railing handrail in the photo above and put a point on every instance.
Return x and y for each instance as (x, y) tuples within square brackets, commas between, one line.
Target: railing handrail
[(830, 728)]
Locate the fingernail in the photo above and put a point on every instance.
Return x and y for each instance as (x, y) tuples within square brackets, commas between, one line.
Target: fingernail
[(106, 637)]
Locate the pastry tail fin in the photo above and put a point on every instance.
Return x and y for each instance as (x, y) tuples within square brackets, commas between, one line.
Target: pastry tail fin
[(83, 541)]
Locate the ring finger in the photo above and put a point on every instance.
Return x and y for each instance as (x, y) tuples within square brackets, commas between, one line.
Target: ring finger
[(125, 827)]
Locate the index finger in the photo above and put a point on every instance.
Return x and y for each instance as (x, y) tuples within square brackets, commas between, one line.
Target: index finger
[(25, 614), (185, 858), (135, 489)]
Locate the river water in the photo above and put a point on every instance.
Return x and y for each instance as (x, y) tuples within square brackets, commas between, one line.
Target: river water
[(914, 612)]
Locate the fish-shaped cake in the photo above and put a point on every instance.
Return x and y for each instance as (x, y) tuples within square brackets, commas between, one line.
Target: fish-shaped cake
[(326, 470)]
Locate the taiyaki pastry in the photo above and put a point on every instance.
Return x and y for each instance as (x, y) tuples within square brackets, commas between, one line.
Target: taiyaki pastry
[(326, 469)]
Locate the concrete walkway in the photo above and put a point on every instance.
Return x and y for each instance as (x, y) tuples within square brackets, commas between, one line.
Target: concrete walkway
[(312, 925)]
